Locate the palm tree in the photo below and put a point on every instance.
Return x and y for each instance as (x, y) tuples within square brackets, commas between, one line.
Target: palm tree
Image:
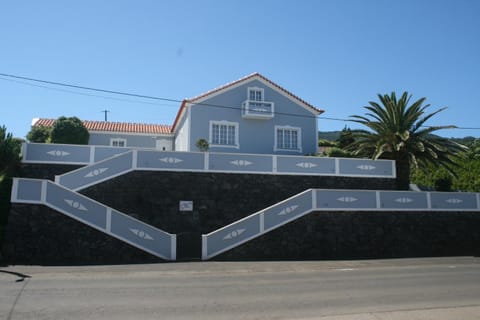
[(398, 132)]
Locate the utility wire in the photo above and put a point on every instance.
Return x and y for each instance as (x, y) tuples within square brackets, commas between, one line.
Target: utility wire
[(122, 93), (139, 95), (87, 94)]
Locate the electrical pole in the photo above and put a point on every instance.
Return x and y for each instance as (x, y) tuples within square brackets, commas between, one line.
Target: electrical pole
[(105, 111)]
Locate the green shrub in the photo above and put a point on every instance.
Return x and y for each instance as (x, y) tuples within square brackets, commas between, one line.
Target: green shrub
[(5, 189), (443, 183), (9, 151), (70, 131), (40, 134), (339, 153), (202, 145)]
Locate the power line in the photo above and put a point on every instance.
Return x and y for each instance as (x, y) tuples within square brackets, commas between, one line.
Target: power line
[(88, 88), (139, 95), (135, 95), (87, 94)]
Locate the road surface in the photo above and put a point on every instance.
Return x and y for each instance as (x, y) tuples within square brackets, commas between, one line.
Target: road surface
[(433, 288)]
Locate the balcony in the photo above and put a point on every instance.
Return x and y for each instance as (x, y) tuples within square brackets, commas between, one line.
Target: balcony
[(257, 109)]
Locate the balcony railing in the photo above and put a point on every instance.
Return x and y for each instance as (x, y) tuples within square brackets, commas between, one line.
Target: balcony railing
[(257, 109)]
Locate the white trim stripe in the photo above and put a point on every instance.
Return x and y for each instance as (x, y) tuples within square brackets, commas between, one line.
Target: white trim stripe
[(43, 196), (204, 247), (14, 193), (108, 226), (206, 162), (173, 247), (92, 154)]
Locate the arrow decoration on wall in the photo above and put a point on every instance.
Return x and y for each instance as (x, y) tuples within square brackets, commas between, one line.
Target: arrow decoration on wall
[(76, 205), (288, 210), (95, 172), (306, 165), (234, 234), (58, 153), (366, 167), (170, 160), (454, 201), (404, 200), (141, 234), (347, 199), (241, 163)]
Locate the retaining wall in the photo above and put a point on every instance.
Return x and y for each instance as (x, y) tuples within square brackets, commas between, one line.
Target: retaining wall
[(39, 235)]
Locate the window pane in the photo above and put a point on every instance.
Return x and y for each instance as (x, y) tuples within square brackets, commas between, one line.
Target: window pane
[(215, 134), (251, 95), (231, 135), (280, 138), (294, 139), (287, 139), (224, 134)]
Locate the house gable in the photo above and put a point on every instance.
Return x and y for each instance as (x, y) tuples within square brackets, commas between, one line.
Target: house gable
[(202, 99), (220, 118)]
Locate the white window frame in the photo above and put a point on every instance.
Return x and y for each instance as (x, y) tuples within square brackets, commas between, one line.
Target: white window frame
[(236, 144), (255, 89), (290, 128), (118, 140)]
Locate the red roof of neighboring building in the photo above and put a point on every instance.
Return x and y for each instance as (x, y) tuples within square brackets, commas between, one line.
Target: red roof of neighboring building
[(115, 126)]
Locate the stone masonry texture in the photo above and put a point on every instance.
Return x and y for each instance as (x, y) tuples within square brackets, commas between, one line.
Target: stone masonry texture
[(39, 235)]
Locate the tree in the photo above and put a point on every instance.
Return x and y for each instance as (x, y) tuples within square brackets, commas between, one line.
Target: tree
[(9, 151), (467, 175), (339, 153), (69, 130), (398, 132), (40, 134), (345, 138)]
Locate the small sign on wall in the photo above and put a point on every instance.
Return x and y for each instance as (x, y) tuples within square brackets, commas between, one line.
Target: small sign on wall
[(186, 205)]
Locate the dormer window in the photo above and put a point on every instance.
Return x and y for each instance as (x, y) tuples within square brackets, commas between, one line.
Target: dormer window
[(255, 94)]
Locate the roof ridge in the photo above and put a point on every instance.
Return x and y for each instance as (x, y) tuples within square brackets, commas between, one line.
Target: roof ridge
[(101, 121), (254, 74), (221, 87)]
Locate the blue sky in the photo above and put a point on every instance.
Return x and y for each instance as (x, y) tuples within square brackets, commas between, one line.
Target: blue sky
[(336, 55)]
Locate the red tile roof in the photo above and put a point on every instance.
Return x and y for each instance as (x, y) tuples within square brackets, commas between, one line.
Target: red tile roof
[(253, 75), (244, 79), (115, 126)]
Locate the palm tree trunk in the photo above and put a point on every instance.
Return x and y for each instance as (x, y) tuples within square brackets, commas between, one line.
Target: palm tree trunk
[(403, 173)]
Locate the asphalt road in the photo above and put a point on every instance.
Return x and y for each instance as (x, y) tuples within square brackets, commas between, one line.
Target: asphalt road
[(438, 288)]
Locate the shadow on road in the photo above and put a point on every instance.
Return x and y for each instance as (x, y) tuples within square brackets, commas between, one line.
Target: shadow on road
[(21, 276)]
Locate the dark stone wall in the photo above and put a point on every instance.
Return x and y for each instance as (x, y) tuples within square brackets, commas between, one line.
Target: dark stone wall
[(45, 171), (39, 235), (218, 198), (42, 236), (362, 235)]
